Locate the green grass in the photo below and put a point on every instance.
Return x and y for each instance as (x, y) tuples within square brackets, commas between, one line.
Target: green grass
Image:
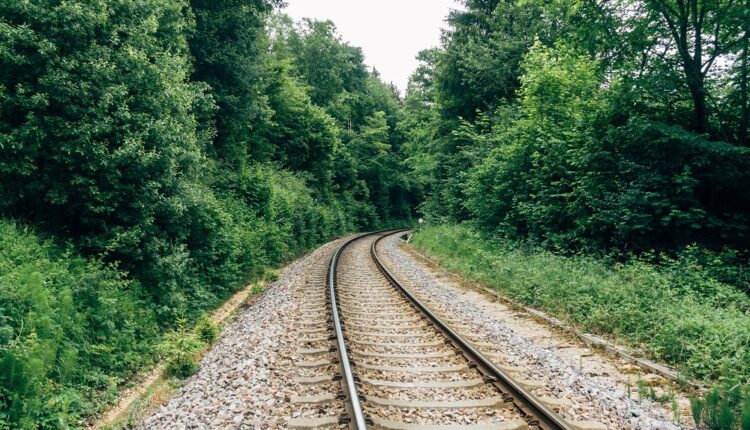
[(71, 331), (675, 311)]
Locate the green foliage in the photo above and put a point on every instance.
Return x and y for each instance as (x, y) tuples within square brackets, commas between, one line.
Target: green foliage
[(554, 176), (514, 124), (724, 407), (532, 170), (364, 110), (676, 310), (271, 276), (107, 83), (257, 289), (304, 136), (206, 330), (184, 150), (333, 70), (480, 67), (70, 329), (229, 46), (179, 349)]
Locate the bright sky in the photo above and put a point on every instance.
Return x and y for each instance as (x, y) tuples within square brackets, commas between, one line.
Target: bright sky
[(390, 32)]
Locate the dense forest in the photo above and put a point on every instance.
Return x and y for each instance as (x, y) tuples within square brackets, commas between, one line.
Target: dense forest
[(158, 155), (596, 157), (589, 125)]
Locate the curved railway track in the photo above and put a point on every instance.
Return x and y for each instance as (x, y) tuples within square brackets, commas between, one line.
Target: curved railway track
[(402, 367)]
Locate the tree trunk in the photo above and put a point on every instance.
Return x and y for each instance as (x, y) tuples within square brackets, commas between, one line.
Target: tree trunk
[(695, 82), (692, 63), (745, 109)]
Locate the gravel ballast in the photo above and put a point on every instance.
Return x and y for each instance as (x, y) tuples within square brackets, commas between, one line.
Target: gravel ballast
[(253, 378), (249, 377), (560, 367)]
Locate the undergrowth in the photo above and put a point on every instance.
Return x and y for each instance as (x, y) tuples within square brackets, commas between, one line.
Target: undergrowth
[(676, 311), (180, 348), (724, 407), (71, 331)]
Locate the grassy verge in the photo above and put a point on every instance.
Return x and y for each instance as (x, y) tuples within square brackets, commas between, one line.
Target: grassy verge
[(75, 332), (675, 312)]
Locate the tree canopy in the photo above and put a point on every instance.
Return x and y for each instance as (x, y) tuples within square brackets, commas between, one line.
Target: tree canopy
[(176, 149), (618, 125)]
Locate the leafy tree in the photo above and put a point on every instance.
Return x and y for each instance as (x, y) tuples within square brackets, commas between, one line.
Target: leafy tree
[(107, 83), (371, 148), (334, 70), (418, 125), (476, 72), (701, 32), (484, 45), (338, 81), (528, 183), (560, 174), (302, 134), (562, 155), (229, 46)]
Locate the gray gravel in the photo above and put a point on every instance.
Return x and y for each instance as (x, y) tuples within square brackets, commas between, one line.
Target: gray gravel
[(246, 380), (595, 397)]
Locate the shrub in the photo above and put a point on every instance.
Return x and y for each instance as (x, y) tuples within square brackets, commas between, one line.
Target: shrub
[(271, 276), (206, 330), (71, 329), (179, 349)]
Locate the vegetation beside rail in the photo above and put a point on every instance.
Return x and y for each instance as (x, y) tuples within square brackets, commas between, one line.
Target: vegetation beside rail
[(677, 310), (155, 157), (589, 128)]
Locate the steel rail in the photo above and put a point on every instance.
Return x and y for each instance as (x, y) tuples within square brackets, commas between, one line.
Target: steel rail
[(351, 397), (537, 412)]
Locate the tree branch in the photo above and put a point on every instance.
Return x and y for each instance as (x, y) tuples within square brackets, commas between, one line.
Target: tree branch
[(719, 52)]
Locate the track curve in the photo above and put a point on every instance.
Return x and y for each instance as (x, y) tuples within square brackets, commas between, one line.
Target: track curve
[(403, 368)]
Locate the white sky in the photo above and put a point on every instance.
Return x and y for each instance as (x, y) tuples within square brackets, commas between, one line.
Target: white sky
[(390, 32)]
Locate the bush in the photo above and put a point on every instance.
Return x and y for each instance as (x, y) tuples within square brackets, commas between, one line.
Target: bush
[(271, 276), (71, 329), (179, 349), (206, 330)]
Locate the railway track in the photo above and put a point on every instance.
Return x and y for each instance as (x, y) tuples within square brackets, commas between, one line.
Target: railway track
[(401, 366)]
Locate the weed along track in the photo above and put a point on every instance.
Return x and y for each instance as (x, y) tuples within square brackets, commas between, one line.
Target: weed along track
[(399, 365)]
